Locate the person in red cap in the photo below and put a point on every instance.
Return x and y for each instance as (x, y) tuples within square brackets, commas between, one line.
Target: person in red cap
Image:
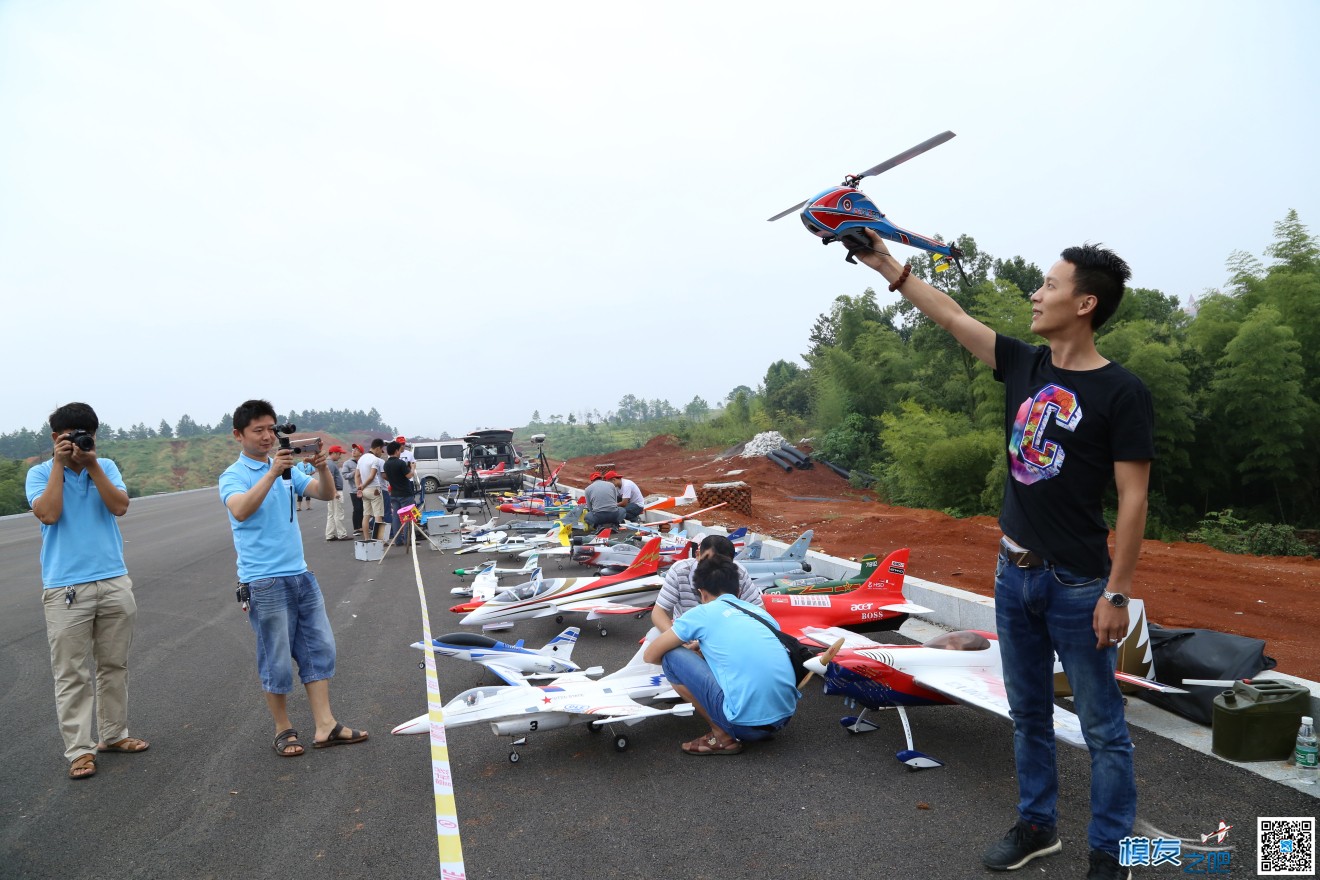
[(336, 529), (630, 497), (603, 503)]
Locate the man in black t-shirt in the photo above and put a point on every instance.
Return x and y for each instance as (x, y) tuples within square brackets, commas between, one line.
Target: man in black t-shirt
[(1074, 421), (400, 486)]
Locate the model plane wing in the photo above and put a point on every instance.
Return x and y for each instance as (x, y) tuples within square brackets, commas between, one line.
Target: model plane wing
[(630, 712), (984, 690), (828, 635), (508, 674)]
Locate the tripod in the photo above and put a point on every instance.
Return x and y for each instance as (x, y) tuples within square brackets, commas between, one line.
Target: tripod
[(473, 485), (547, 480), (410, 518)]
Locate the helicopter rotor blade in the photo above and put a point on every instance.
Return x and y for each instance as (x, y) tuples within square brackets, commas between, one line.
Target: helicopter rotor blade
[(907, 154), (787, 211)]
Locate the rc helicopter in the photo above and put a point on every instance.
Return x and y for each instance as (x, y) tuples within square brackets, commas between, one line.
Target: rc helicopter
[(842, 212)]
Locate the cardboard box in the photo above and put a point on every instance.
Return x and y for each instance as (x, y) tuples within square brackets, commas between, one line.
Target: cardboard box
[(368, 551)]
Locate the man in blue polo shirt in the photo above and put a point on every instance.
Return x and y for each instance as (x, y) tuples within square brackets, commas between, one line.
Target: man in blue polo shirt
[(88, 597), (284, 603), (724, 659)]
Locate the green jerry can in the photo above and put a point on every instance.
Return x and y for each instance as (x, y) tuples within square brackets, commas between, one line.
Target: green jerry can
[(1257, 720)]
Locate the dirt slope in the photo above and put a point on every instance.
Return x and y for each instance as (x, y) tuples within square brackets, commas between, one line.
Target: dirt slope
[(1184, 585)]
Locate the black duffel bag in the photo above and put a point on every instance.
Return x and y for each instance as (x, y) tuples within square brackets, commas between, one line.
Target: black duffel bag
[(1201, 653)]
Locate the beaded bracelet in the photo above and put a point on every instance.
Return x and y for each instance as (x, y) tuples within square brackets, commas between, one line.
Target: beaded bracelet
[(907, 270)]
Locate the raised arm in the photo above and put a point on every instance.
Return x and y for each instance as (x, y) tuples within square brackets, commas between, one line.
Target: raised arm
[(932, 302)]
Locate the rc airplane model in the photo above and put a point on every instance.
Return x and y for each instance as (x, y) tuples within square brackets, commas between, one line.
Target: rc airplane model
[(956, 667), (500, 542), (486, 578), (668, 502), (514, 663), (815, 584), (791, 561), (632, 591), (878, 604), (519, 709)]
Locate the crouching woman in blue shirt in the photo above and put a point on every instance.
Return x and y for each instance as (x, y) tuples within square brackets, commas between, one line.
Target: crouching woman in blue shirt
[(731, 667)]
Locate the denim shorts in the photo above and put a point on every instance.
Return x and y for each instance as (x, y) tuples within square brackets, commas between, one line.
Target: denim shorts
[(288, 616), (690, 669)]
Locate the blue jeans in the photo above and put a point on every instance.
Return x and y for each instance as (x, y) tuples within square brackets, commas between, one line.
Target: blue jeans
[(604, 517), (691, 670), (288, 616), (1039, 612)]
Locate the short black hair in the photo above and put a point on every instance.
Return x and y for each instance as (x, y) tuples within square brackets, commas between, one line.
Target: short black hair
[(74, 417), (392, 447), (718, 543), (1101, 273), (717, 576), (250, 410), (377, 443)]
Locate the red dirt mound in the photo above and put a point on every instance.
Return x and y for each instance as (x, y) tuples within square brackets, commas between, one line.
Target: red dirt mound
[(1184, 585)]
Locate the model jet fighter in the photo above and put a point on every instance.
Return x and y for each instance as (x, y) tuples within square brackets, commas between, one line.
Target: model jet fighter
[(632, 591), (512, 663), (519, 709), (878, 604)]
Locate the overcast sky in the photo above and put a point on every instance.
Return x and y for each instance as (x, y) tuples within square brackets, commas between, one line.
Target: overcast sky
[(461, 213)]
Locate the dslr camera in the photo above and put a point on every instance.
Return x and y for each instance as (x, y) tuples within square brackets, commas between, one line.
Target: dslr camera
[(84, 440)]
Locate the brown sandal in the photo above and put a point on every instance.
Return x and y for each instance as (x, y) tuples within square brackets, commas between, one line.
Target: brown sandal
[(705, 746), (128, 744), (83, 766), (286, 740)]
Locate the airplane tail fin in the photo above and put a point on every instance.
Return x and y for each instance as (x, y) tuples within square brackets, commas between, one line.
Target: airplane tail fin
[(689, 496), (1135, 657), (870, 565), (632, 665), (888, 577), (647, 561), (798, 549), (561, 646), (533, 562)]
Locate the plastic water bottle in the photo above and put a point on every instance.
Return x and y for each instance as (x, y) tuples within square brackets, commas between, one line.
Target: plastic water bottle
[(1305, 752)]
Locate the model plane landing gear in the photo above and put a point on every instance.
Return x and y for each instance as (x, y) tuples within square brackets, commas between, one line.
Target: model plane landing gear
[(559, 619), (514, 757), (620, 743)]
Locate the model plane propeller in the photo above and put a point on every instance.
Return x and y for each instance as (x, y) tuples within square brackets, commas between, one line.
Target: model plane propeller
[(841, 213)]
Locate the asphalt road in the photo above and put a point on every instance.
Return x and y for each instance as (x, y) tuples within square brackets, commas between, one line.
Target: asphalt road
[(212, 800)]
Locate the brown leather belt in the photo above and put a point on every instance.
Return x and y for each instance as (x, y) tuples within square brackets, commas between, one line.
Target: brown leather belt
[(1020, 558)]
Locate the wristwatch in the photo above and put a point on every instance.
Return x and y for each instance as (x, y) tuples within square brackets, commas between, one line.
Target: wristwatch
[(1118, 600)]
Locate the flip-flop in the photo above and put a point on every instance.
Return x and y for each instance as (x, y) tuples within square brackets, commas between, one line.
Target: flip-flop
[(285, 740), (81, 763), (354, 736), (707, 746), (128, 745)]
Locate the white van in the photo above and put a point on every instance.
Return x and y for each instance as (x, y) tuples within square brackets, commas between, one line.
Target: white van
[(439, 463)]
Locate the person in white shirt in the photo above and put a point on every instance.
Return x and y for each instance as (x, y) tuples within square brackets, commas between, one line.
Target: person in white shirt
[(371, 483)]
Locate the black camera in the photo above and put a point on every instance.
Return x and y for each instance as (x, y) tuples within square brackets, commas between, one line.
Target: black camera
[(84, 440), (306, 445)]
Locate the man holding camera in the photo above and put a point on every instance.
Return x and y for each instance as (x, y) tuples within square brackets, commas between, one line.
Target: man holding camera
[(282, 598), (88, 597)]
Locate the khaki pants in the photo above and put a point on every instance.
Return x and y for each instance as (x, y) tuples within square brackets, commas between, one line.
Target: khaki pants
[(98, 626), (335, 527)]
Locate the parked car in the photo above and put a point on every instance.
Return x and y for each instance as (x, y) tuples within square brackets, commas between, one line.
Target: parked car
[(488, 448), (439, 463)]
